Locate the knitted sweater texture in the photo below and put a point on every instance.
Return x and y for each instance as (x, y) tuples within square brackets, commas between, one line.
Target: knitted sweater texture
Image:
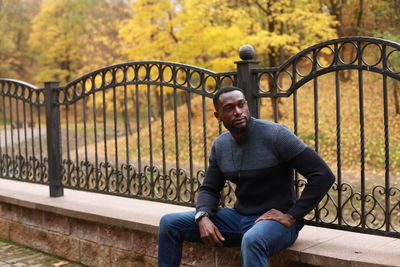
[(261, 166)]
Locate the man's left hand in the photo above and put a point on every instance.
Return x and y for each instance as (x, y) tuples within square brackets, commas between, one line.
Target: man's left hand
[(276, 215)]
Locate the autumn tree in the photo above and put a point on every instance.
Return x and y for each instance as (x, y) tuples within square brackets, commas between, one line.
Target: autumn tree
[(15, 25), (56, 36), (102, 44), (209, 33), (7, 45), (151, 33), (73, 37)]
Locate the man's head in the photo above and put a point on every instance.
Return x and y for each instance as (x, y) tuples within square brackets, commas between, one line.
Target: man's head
[(231, 108)]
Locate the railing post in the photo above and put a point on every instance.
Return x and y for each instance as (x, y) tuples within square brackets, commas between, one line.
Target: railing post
[(245, 79), (53, 139)]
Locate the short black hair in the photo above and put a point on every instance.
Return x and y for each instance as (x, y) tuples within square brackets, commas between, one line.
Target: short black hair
[(224, 90)]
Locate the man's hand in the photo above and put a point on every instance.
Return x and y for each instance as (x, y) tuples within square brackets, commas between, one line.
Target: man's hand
[(209, 233), (276, 215)]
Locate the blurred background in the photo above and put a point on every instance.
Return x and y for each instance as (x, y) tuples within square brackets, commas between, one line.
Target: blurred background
[(63, 39)]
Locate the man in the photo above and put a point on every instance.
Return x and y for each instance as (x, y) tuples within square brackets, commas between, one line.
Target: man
[(259, 157)]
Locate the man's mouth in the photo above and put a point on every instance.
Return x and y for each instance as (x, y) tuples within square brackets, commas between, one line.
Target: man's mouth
[(240, 121)]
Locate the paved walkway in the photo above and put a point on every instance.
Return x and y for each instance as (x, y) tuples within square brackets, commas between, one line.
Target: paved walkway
[(14, 132), (13, 255)]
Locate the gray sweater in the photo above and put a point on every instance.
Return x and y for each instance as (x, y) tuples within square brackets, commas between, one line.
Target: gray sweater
[(261, 165)]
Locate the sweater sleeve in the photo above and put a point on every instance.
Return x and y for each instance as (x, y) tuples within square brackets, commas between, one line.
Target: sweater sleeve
[(319, 180), (209, 192)]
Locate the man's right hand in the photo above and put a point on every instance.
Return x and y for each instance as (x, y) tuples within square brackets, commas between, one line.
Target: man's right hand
[(209, 233)]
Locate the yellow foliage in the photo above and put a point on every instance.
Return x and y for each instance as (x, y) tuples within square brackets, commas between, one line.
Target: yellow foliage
[(70, 37), (55, 36), (149, 35), (209, 33), (15, 16)]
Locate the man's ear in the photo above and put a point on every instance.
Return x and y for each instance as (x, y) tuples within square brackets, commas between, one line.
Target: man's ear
[(216, 115)]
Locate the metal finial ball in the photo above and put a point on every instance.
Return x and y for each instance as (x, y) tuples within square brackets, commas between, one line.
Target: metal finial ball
[(247, 52)]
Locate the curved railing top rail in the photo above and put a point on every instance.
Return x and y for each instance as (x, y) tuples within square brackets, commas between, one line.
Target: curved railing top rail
[(22, 91), (149, 62), (332, 52), (161, 73), (4, 80), (349, 39)]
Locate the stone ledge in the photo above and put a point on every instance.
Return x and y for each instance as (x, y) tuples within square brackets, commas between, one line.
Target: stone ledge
[(140, 215), (328, 247), (315, 246)]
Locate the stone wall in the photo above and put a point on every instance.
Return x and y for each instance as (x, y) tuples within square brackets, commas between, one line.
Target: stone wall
[(94, 243), (105, 230)]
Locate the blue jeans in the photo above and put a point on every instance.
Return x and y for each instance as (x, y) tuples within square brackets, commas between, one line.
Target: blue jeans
[(258, 241)]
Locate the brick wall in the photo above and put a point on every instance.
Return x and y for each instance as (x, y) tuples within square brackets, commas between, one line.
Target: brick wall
[(97, 244), (104, 230)]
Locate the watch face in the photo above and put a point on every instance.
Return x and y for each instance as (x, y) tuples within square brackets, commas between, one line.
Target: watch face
[(200, 214)]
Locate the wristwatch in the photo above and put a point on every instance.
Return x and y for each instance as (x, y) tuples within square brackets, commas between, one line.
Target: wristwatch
[(200, 214)]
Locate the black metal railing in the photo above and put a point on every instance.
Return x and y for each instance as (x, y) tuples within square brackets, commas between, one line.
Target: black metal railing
[(135, 136), (368, 197), (23, 152), (145, 129)]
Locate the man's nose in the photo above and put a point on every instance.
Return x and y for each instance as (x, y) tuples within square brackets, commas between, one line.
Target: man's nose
[(238, 110)]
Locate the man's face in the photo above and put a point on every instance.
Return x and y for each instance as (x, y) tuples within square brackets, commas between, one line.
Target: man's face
[(233, 111)]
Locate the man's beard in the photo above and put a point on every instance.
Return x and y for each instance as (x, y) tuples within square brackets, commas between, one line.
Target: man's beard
[(237, 130)]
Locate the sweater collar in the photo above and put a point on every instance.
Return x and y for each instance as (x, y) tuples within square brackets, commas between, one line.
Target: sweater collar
[(247, 134)]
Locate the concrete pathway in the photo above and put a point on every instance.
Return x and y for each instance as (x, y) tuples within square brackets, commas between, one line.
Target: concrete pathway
[(13, 255), (14, 133)]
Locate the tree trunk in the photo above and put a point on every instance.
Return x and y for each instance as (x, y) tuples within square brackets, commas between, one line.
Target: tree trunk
[(158, 103), (396, 97), (187, 98)]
